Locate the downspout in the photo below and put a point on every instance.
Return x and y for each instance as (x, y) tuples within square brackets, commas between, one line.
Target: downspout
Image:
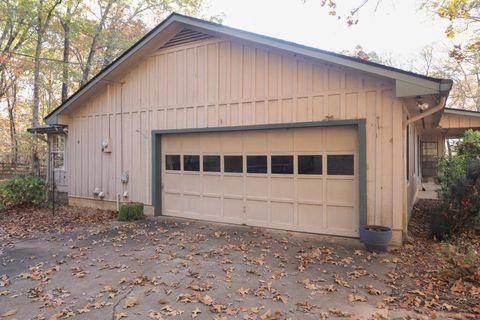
[(413, 119), (121, 147), (426, 113)]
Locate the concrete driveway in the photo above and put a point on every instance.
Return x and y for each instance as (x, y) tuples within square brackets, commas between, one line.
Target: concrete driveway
[(166, 268)]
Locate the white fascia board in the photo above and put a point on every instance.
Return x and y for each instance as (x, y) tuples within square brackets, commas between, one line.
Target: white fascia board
[(407, 89), (460, 112)]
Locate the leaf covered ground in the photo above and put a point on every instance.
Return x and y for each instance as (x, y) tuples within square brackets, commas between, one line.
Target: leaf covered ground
[(29, 222), (81, 264), (436, 276)]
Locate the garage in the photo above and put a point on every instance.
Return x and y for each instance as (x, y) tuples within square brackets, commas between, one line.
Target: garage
[(299, 179)]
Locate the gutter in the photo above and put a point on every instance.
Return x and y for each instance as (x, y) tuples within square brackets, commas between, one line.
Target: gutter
[(427, 113)]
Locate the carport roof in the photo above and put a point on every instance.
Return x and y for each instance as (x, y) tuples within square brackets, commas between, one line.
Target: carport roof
[(462, 112), (408, 84)]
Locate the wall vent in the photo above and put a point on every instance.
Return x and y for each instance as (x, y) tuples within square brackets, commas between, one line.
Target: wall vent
[(185, 36)]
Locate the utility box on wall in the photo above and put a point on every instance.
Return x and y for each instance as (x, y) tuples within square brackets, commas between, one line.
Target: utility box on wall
[(107, 145)]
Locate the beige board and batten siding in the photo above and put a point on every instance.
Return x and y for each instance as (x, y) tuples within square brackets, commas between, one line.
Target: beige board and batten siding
[(449, 121), (218, 82)]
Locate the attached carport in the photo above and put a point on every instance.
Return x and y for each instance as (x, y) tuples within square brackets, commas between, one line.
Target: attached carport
[(453, 124)]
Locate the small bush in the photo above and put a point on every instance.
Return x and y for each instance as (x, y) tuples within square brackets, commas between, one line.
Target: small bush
[(458, 176), (131, 211), (441, 226), (20, 191)]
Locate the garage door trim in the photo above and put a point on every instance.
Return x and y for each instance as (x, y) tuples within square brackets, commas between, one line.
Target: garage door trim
[(362, 156)]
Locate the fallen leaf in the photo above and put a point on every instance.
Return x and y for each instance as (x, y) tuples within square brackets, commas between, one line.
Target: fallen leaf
[(304, 306), (280, 297), (458, 286), (4, 280), (196, 312), (130, 302), (169, 311), (155, 315), (374, 292), (342, 282), (206, 300), (244, 291), (266, 315), (448, 307), (186, 298), (356, 297), (9, 313), (120, 315), (84, 310)]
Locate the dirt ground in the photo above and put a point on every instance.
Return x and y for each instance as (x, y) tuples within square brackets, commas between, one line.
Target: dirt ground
[(81, 264)]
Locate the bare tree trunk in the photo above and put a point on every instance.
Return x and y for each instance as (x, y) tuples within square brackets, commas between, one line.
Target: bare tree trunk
[(66, 54), (36, 79), (42, 26), (11, 104), (93, 46)]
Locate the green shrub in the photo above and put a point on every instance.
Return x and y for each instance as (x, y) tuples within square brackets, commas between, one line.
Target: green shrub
[(131, 211), (22, 190), (458, 176)]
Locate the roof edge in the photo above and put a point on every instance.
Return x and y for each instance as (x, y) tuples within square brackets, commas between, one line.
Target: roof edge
[(462, 112), (52, 115)]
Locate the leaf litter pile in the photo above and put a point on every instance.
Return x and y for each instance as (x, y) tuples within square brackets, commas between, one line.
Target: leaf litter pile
[(25, 222), (88, 267), (434, 276)]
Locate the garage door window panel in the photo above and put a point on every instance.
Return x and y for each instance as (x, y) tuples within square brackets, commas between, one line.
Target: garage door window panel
[(282, 164), (233, 164), (211, 163), (340, 165), (257, 164), (172, 162), (191, 163), (310, 164)]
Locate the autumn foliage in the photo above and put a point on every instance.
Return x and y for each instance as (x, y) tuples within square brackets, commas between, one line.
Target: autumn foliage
[(459, 179)]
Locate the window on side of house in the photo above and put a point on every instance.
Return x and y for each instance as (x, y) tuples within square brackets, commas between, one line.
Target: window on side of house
[(58, 151)]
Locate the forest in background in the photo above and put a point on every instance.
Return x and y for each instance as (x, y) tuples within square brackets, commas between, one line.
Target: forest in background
[(49, 48)]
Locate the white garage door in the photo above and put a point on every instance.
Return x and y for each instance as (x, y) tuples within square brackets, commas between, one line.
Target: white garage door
[(295, 179)]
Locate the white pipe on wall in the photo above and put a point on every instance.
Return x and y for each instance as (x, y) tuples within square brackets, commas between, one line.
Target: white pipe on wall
[(118, 202)]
